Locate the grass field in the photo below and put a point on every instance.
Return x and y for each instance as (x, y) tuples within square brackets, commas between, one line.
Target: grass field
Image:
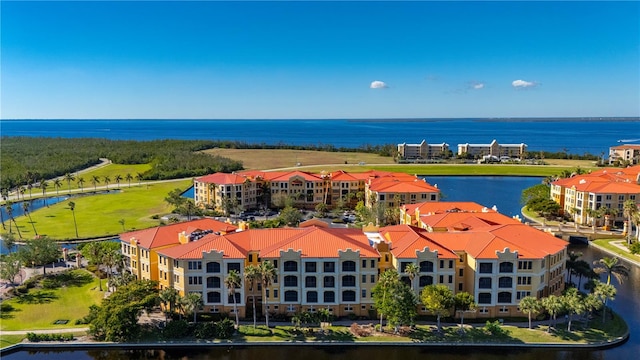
[(111, 170), (99, 215), (41, 307)]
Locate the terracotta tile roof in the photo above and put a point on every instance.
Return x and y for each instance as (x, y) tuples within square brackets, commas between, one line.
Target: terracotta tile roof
[(317, 242), (288, 175), (628, 146), (463, 221), (168, 234), (406, 240), (222, 178), (212, 242), (401, 185), (445, 206)]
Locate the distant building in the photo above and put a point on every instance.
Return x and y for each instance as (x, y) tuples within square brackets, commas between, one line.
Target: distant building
[(493, 149), (422, 151), (627, 152)]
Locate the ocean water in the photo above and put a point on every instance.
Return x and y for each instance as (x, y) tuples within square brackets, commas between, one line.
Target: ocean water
[(554, 135)]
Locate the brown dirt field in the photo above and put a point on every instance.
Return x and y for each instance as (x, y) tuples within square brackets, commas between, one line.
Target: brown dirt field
[(263, 159)]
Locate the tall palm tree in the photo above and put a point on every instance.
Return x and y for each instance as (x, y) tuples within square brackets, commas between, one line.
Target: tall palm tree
[(252, 275), (412, 270), (139, 177), (72, 207), (232, 282), (212, 187), (117, 179), (385, 281), (95, 180), (530, 305), (608, 213), (192, 302), (57, 183), (267, 273), (81, 182), (169, 296), (610, 266), (594, 214), (553, 304), (629, 209), (106, 180), (25, 207), (128, 178), (604, 292), (9, 204), (68, 177), (571, 264), (44, 185)]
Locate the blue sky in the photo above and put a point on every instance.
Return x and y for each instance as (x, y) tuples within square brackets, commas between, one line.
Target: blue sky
[(233, 60)]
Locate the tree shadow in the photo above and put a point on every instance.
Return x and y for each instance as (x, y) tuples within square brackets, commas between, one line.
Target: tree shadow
[(36, 297), (7, 310)]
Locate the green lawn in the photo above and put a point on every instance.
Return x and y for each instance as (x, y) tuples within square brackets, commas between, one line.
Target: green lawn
[(606, 243), (41, 307), (99, 215), (111, 170)]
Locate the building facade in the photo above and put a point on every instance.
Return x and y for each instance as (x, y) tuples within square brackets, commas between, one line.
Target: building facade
[(423, 150), (628, 153), (493, 149)]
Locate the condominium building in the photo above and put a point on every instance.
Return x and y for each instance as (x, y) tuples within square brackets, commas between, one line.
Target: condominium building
[(581, 195), (257, 189), (493, 149), (496, 259), (624, 153), (423, 150)]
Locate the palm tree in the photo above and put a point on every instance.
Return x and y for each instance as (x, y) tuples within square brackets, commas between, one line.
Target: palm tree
[(128, 178), (9, 204), (22, 191), (232, 282), (610, 266), (252, 275), (95, 180), (72, 207), (553, 304), (604, 292), (69, 178), (267, 273), (573, 304), (412, 270), (117, 179), (608, 213), (57, 183), (106, 180), (25, 207), (169, 296), (629, 209), (44, 185), (594, 214), (81, 182), (212, 187), (386, 280), (139, 177), (192, 302), (121, 222), (530, 305), (571, 264)]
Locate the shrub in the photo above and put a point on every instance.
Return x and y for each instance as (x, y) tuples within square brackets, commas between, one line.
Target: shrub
[(176, 329), (495, 329), (635, 248), (225, 329), (33, 337), (205, 330)]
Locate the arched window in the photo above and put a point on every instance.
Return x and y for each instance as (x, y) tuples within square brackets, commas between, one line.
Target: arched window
[(349, 266), (213, 297), (290, 266), (505, 282), (213, 267), (504, 297), (506, 267), (426, 280), (290, 295), (213, 282), (348, 295), (426, 266), (348, 280), (312, 297), (290, 280)]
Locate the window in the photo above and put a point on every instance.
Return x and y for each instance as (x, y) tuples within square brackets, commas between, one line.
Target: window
[(403, 266), (329, 296), (232, 267), (373, 264), (450, 279), (373, 279), (312, 297), (275, 264), (505, 282), (426, 280), (213, 297), (349, 280), (525, 265), (213, 267), (329, 281), (364, 264), (250, 257), (310, 267), (364, 293), (329, 266), (506, 267), (484, 283), (364, 279), (235, 299), (195, 265), (504, 297), (290, 266), (213, 282), (426, 266), (290, 295), (349, 266), (275, 293), (459, 286), (486, 268), (441, 264), (348, 295), (460, 272), (290, 280), (484, 298), (441, 280), (450, 264), (309, 281), (195, 280)]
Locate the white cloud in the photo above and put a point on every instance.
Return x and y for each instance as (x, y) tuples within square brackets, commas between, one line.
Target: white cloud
[(477, 86), (377, 84), (522, 84)]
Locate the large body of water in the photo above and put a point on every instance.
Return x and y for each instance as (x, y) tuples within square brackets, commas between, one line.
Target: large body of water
[(554, 135)]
